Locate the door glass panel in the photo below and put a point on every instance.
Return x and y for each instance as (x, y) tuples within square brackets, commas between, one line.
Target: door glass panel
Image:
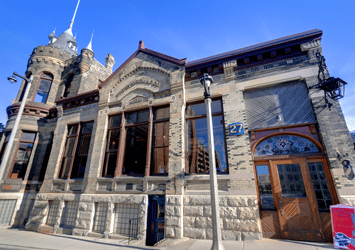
[(267, 200), (321, 187), (291, 181)]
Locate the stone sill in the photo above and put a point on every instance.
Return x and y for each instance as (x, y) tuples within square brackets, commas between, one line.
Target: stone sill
[(205, 192), (95, 235), (206, 177), (117, 236)]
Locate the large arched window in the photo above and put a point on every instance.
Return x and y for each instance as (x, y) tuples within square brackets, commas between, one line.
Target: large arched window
[(68, 85), (285, 145), (44, 87)]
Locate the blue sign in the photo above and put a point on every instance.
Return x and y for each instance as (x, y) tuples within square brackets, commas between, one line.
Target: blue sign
[(236, 128)]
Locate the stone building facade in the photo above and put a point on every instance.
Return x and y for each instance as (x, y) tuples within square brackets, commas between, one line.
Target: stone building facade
[(99, 152)]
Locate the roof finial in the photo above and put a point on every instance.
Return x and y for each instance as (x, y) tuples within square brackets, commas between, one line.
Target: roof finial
[(89, 47), (69, 30)]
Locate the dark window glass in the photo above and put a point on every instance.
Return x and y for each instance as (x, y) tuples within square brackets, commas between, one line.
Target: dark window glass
[(198, 154), (143, 116), (131, 118), (73, 129), (68, 85), (321, 187), (28, 136), (160, 150), (43, 88), (23, 155), (137, 117), (135, 150), (115, 121), (135, 143), (291, 181), (265, 190), (112, 145), (46, 159), (76, 150), (161, 113), (200, 108)]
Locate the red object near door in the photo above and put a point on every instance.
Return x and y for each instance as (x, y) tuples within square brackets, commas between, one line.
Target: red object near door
[(343, 224)]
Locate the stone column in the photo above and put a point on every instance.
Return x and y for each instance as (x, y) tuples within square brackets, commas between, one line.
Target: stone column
[(84, 218), (241, 170), (337, 139), (94, 166), (174, 216)]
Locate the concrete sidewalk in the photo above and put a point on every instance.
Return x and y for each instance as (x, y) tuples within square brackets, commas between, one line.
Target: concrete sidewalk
[(21, 239)]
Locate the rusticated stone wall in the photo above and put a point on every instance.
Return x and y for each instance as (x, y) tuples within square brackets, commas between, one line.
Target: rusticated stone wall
[(174, 216), (85, 214), (239, 217)]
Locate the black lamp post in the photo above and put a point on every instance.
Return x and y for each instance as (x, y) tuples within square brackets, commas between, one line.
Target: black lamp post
[(334, 88), (206, 81)]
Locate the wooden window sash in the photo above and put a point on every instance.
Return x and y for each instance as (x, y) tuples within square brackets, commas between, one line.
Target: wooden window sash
[(193, 166), (149, 143), (62, 172), (17, 150), (121, 147)]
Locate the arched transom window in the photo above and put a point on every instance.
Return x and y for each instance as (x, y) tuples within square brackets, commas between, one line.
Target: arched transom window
[(285, 145)]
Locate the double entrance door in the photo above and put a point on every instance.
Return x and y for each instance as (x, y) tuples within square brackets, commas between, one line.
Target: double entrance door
[(295, 196)]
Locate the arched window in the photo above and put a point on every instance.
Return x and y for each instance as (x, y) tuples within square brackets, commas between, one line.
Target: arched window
[(44, 87), (68, 85), (285, 145)]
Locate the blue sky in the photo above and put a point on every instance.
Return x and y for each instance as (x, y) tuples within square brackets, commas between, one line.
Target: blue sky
[(182, 29)]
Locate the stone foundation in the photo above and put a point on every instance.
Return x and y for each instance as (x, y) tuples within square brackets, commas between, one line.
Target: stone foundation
[(85, 214), (239, 217)]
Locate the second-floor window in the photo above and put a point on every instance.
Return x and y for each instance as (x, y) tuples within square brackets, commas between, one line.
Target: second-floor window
[(23, 155), (76, 150), (43, 88), (198, 160), (138, 145)]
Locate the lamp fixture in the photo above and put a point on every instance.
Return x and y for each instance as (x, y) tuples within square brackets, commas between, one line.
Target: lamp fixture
[(334, 88), (12, 79), (206, 80)]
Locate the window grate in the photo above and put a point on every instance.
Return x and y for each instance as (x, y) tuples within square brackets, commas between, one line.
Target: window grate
[(6, 211), (100, 217), (123, 213), (52, 212), (69, 213)]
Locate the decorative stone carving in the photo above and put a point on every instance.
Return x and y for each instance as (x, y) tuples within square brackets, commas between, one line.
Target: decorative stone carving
[(312, 47), (228, 69), (147, 82), (138, 100)]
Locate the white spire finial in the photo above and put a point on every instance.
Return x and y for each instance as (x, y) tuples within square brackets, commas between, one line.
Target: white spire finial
[(70, 28), (89, 47)]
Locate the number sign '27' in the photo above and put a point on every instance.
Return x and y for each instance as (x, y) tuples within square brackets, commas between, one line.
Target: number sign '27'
[(236, 128)]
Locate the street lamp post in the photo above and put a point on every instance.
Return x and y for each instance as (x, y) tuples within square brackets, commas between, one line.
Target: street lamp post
[(5, 160), (206, 81)]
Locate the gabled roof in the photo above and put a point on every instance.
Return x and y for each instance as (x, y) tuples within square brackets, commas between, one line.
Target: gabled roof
[(141, 48), (306, 35)]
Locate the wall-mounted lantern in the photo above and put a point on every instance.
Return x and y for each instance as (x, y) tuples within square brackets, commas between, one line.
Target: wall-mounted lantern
[(334, 88)]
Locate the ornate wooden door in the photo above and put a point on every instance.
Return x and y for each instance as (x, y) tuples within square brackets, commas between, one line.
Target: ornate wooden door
[(295, 200)]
